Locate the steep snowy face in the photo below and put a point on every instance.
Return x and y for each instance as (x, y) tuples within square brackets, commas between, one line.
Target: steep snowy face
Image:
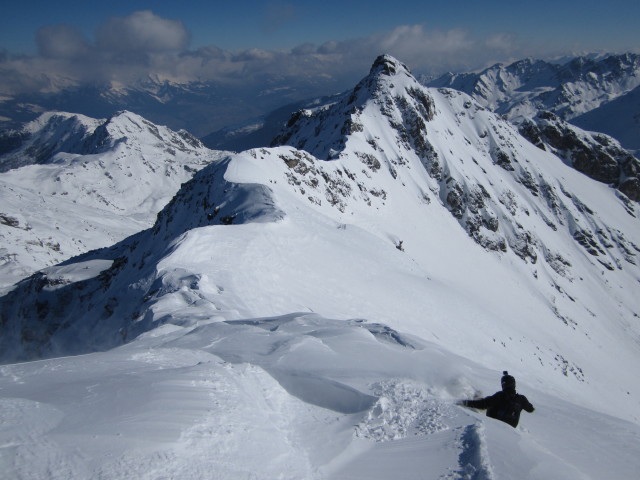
[(72, 184), (470, 161), (389, 90)]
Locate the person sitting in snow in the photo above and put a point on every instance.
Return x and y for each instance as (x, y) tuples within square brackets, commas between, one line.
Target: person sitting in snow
[(505, 405)]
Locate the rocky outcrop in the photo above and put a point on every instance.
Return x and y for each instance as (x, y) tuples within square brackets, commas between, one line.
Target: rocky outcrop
[(596, 155)]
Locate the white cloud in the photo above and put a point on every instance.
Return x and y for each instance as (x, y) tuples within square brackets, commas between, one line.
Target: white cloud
[(133, 48), (142, 31)]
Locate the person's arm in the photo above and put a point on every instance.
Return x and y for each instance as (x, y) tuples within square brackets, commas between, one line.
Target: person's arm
[(526, 405), (482, 403)]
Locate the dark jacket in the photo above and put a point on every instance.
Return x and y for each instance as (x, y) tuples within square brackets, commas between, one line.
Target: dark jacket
[(504, 405)]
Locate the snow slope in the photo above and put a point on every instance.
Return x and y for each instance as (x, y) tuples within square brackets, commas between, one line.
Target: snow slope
[(71, 184), (598, 94), (312, 310), (295, 396)]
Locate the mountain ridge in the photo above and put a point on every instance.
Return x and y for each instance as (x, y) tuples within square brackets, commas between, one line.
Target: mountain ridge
[(323, 303), (414, 174), (572, 90), (410, 119)]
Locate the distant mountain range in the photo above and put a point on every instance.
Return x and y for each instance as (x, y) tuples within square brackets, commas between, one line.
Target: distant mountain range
[(391, 157), (594, 93), (199, 107), (601, 95)]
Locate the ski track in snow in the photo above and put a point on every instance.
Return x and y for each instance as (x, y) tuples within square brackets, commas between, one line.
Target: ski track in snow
[(407, 409)]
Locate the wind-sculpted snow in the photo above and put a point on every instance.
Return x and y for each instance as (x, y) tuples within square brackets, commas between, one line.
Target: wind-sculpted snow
[(209, 199), (295, 396)]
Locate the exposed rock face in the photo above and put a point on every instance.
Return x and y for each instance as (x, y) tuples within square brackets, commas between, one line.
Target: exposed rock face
[(393, 120), (596, 155)]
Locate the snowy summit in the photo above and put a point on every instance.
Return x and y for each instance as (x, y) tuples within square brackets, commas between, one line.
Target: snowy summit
[(316, 310)]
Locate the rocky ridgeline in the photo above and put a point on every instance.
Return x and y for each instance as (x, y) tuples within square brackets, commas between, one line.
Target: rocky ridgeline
[(351, 127), (524, 87), (596, 155)]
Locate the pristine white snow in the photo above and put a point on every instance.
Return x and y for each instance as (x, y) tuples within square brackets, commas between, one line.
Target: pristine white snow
[(291, 316)]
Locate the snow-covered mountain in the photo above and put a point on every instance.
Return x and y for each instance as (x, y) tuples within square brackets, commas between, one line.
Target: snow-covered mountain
[(619, 118), (596, 155), (595, 94), (311, 310), (70, 184)]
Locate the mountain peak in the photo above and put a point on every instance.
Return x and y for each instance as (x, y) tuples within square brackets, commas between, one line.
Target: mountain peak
[(570, 88), (388, 65), (375, 268), (390, 95), (37, 141)]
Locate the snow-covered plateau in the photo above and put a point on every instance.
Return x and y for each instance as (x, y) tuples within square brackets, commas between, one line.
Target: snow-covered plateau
[(314, 310)]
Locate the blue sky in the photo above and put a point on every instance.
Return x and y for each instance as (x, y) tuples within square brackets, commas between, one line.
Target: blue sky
[(242, 24), (313, 46)]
